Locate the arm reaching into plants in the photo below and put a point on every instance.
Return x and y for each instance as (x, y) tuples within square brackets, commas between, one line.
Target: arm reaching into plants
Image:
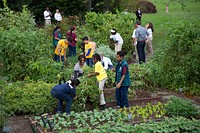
[(93, 74)]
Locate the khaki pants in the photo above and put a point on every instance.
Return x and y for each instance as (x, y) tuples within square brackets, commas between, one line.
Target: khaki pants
[(101, 85), (118, 47), (149, 48), (47, 22)]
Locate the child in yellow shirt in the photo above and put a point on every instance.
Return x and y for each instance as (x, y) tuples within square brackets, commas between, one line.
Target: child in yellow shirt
[(60, 51), (101, 75)]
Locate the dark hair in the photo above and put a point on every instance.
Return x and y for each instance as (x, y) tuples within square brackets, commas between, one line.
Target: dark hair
[(151, 26), (81, 57), (138, 22), (114, 30), (75, 82), (120, 53), (97, 57), (57, 27), (85, 38)]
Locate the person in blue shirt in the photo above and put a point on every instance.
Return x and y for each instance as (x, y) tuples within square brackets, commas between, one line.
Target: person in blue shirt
[(65, 92)]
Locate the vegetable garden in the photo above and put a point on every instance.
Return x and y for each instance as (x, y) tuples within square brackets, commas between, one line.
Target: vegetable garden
[(28, 73)]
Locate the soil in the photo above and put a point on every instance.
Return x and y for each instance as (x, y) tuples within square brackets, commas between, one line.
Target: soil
[(20, 124)]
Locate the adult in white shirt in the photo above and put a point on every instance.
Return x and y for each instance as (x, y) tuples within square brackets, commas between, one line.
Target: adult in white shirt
[(134, 43), (106, 62), (58, 16), (150, 30), (118, 41), (47, 16)]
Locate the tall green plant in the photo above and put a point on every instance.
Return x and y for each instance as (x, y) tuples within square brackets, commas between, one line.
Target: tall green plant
[(98, 27), (178, 61), (21, 43)]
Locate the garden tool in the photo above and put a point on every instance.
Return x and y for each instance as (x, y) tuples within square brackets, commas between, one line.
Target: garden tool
[(34, 126), (44, 120), (51, 124)]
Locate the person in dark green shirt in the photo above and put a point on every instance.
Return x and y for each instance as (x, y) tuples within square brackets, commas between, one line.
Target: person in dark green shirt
[(122, 80)]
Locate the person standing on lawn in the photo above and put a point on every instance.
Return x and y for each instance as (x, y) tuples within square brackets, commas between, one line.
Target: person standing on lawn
[(122, 80), (138, 14), (65, 92), (150, 30), (88, 51), (141, 37), (101, 75)]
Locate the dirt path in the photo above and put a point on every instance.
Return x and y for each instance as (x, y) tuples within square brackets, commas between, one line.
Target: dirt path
[(19, 124)]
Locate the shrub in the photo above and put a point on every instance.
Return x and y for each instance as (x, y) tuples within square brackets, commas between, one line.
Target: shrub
[(48, 70), (98, 27), (29, 98), (3, 114), (178, 60), (147, 7), (180, 107), (21, 44)]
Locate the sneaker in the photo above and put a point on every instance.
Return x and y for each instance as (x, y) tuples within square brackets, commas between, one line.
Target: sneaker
[(102, 107), (118, 107)]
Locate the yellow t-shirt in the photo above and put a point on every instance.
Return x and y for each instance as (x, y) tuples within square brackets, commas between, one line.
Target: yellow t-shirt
[(99, 69), (87, 47), (63, 46)]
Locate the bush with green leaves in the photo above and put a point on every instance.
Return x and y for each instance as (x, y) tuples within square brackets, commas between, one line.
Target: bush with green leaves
[(178, 60), (181, 107), (21, 43), (3, 114), (29, 98), (48, 70), (87, 92)]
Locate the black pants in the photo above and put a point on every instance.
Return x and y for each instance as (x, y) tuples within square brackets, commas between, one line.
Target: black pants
[(141, 52)]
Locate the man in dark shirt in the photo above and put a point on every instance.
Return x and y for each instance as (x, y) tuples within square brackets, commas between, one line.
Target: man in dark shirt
[(65, 92), (138, 14)]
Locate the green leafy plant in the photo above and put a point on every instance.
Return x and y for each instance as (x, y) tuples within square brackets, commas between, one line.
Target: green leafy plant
[(29, 98), (181, 107)]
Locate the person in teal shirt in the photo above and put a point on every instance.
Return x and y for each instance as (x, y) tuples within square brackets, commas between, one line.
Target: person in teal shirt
[(56, 36), (122, 80)]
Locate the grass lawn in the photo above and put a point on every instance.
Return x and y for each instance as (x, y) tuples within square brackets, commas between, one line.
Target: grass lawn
[(164, 21)]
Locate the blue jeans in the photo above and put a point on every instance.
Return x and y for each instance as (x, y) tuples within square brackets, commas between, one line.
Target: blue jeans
[(72, 50), (63, 97), (141, 51), (57, 58), (122, 96), (89, 62)]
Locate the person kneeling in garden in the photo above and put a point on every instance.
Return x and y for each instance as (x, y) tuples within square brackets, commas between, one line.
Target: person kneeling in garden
[(101, 75), (122, 80), (65, 92)]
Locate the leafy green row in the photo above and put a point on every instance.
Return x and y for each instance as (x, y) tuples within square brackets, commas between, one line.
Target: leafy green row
[(169, 125)]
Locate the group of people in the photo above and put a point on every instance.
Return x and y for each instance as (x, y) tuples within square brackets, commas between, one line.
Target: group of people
[(142, 36), (48, 16), (67, 91)]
